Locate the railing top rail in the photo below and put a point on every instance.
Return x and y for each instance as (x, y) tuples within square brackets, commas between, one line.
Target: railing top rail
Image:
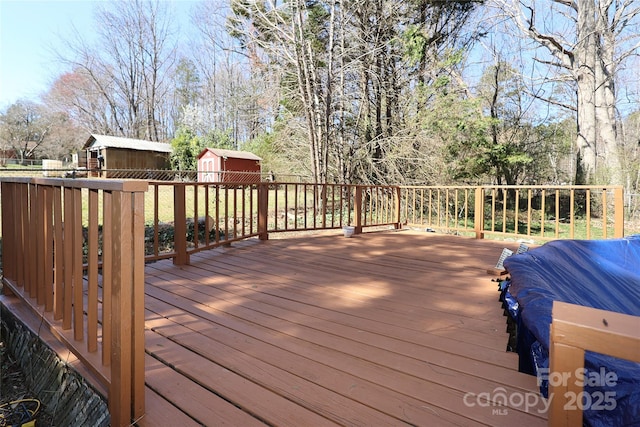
[(598, 336), (230, 183), (335, 184), (443, 187), (207, 183), (515, 187), (92, 184)]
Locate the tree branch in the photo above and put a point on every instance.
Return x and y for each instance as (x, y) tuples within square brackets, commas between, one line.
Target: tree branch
[(550, 42)]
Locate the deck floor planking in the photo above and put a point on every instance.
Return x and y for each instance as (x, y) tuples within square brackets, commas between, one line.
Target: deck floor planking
[(386, 328)]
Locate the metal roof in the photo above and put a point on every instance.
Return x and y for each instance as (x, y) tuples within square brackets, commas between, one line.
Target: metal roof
[(230, 153), (107, 141)]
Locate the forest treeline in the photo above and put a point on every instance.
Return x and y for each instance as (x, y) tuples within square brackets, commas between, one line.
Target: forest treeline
[(384, 92)]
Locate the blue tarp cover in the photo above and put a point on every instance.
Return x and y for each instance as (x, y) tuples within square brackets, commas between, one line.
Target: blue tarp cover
[(603, 274)]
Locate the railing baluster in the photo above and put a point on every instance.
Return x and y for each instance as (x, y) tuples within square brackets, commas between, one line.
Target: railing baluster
[(68, 258), (430, 206), (11, 229), (285, 215), (156, 207), (47, 249), (107, 275), (604, 213), (180, 225), (529, 212), (32, 234), (588, 203), (516, 219), (92, 259), (493, 209), (207, 225), (78, 280), (226, 213), (244, 207), (557, 213), (217, 213), (479, 213), (504, 210), (58, 254), (543, 212), (466, 207), (40, 245), (196, 215), (572, 202)]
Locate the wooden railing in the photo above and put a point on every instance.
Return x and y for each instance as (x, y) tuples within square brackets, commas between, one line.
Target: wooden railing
[(191, 217), (201, 216), (574, 330), (56, 242), (538, 213), (74, 249)]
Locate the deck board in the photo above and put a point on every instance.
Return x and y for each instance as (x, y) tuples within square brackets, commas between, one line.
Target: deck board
[(390, 328)]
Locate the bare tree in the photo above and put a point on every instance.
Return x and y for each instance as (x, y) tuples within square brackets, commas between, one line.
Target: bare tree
[(76, 94), (347, 72), (24, 128), (33, 131), (239, 95), (118, 83), (281, 32), (588, 43)]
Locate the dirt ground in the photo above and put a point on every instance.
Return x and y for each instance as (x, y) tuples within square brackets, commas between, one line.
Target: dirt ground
[(13, 388)]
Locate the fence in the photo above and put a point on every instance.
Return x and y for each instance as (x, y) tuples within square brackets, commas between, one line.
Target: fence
[(15, 161)]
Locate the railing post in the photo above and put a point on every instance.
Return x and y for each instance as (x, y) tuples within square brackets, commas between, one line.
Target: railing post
[(563, 360), (137, 320), (618, 212), (398, 207), (121, 292), (575, 330), (263, 208), (180, 225), (478, 214), (126, 388), (357, 210)]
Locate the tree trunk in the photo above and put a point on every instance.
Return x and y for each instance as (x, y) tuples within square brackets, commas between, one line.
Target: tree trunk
[(596, 95), (584, 69), (592, 59)]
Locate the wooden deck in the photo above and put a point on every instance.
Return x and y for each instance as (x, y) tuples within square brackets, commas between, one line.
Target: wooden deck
[(388, 328)]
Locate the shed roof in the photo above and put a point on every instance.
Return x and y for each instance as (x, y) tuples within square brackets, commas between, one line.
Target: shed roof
[(107, 141), (230, 153)]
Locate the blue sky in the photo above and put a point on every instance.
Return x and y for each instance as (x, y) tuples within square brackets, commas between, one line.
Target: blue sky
[(30, 29)]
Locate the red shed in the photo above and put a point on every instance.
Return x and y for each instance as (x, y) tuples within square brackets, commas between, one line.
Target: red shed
[(218, 165)]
